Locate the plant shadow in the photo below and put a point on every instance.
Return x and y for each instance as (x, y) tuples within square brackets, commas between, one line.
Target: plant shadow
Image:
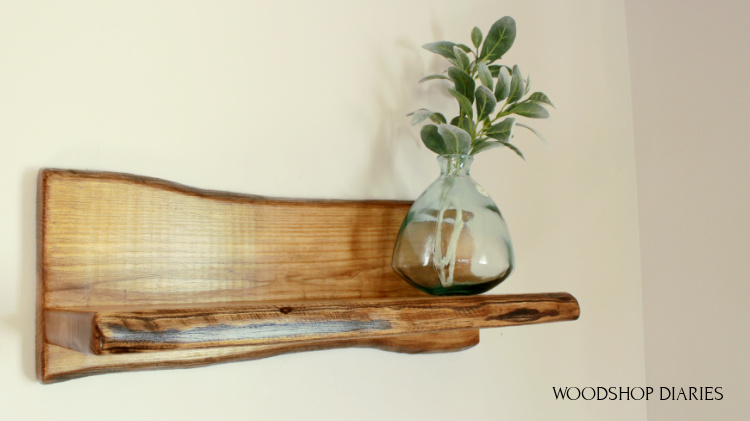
[(394, 140)]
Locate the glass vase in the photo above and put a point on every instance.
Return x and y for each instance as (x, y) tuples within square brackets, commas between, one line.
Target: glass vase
[(454, 241)]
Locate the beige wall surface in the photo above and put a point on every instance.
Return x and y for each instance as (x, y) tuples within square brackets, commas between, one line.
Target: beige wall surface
[(307, 99), (689, 72)]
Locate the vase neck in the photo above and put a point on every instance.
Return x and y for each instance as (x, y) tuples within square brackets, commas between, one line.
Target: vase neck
[(455, 164)]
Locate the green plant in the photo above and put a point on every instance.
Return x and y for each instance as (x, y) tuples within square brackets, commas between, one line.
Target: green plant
[(487, 95)]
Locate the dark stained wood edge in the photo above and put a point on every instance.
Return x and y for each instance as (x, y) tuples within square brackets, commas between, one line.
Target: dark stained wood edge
[(207, 193), (41, 357), (451, 341)]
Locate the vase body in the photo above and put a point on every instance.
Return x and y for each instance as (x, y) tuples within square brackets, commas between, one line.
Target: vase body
[(453, 241)]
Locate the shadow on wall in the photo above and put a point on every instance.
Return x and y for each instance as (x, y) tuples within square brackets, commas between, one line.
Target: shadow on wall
[(396, 93), (24, 319)]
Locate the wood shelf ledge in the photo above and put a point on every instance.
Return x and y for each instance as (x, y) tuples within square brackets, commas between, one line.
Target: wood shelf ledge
[(128, 330)]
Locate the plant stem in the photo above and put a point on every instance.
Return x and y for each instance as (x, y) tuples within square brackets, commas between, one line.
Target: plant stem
[(439, 261)]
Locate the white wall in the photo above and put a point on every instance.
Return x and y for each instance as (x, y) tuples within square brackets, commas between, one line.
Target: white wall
[(689, 69), (307, 99)]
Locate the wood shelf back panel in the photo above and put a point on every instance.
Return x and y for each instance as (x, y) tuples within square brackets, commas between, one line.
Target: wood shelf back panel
[(114, 239)]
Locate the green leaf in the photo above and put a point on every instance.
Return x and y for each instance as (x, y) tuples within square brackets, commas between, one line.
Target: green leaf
[(431, 77), (464, 83), (464, 47), (444, 48), (462, 58), (432, 139), (476, 37), (464, 123), (494, 69), (485, 102), (514, 149), (463, 102), (539, 135), (502, 130), (499, 39), (528, 85), (529, 109), (485, 76), (516, 86), (454, 61), (438, 118), (541, 97), (483, 146), (415, 112), (502, 89), (457, 140), (423, 114)]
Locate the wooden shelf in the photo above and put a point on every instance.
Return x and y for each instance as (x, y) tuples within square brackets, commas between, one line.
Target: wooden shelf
[(139, 273), (119, 330)]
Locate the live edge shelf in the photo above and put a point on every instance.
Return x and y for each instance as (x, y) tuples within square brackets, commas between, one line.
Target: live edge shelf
[(139, 273)]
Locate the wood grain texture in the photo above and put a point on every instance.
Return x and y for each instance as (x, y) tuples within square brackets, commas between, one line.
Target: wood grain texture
[(123, 256), (64, 364), (114, 239), (111, 331)]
